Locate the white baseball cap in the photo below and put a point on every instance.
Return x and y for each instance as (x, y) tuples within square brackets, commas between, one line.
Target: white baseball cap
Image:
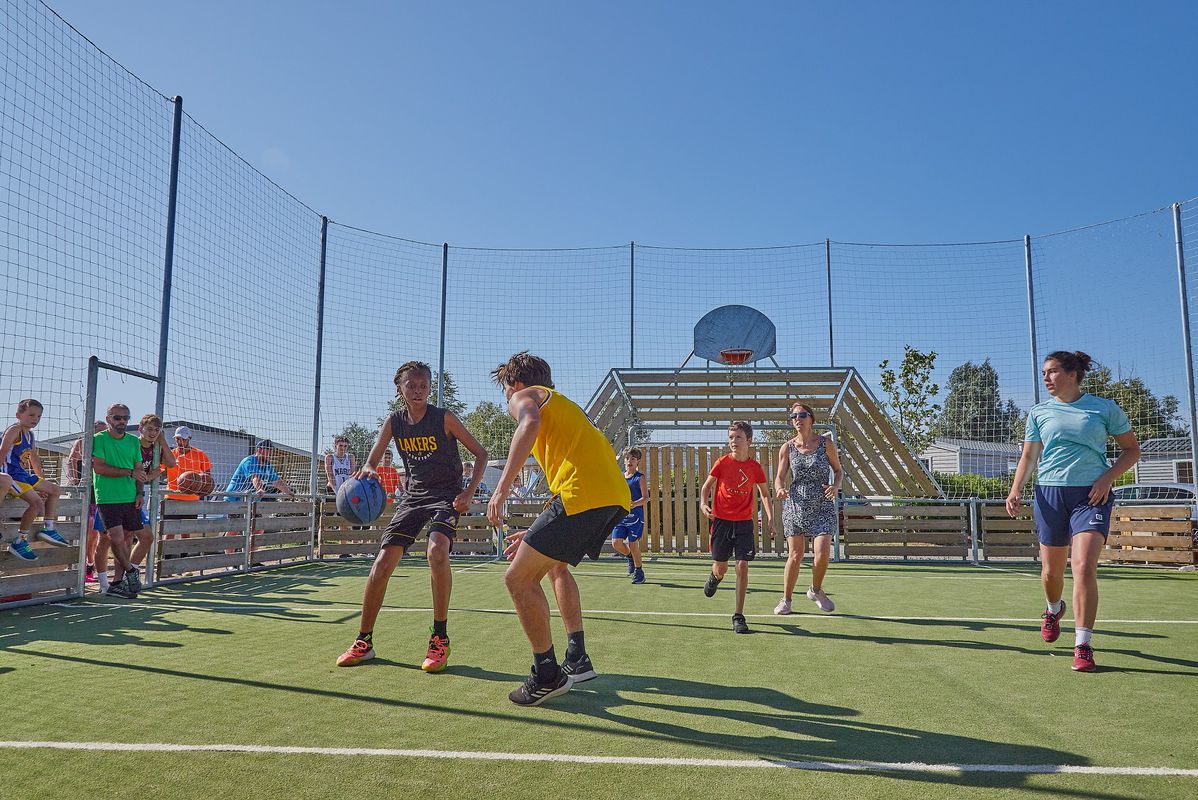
[(182, 432)]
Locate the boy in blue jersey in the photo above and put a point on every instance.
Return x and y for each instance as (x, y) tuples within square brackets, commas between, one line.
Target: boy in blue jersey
[(18, 453), (626, 536)]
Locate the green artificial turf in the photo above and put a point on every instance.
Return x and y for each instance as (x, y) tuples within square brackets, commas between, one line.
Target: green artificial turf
[(249, 660)]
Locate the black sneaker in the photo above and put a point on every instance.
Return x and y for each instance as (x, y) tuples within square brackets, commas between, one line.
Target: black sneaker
[(711, 585), (580, 670), (532, 692), (738, 623), (120, 589), (133, 580)]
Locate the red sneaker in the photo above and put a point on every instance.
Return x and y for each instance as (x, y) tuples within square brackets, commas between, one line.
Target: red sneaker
[(438, 654), (1050, 628), (361, 650), (1083, 659)]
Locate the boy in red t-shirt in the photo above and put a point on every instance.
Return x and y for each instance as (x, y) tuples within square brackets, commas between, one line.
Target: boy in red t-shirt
[(733, 478)]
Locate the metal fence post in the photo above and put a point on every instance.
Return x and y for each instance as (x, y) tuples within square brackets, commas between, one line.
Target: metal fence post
[(1186, 341), (168, 270), (836, 532), (631, 306), (974, 520), (85, 474), (313, 478), (441, 356), (250, 509), (828, 269), (1031, 317)]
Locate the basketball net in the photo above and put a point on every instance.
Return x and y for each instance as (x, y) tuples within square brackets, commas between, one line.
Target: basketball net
[(735, 355)]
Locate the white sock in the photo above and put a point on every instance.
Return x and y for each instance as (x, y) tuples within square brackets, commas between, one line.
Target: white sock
[(1056, 607), (23, 535), (102, 579), (1082, 636), (48, 524)]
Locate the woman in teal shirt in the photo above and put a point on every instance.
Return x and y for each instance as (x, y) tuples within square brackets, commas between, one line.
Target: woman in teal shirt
[(1066, 440)]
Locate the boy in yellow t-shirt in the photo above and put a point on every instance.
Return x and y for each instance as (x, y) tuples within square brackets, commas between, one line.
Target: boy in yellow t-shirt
[(590, 496)]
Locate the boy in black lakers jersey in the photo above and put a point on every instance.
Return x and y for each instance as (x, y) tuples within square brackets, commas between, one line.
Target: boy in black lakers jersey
[(426, 437)]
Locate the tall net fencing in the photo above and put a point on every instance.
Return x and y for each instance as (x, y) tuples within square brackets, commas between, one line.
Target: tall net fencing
[(242, 348), (950, 324), (85, 151), (1111, 291), (84, 161), (382, 308), (571, 307)]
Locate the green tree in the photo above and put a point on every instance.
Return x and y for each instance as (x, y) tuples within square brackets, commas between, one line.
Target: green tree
[(974, 408), (910, 392), (492, 426), (1151, 417)]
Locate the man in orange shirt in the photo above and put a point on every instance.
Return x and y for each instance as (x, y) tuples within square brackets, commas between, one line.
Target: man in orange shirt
[(188, 459), (388, 475)]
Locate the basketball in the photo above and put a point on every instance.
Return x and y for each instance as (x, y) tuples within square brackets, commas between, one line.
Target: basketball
[(361, 502), (199, 483)]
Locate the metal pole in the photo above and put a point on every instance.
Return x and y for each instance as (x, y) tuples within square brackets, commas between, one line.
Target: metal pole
[(828, 267), (169, 261), (441, 357), (1031, 317), (85, 473), (313, 478), (168, 269), (631, 307), (1186, 341)]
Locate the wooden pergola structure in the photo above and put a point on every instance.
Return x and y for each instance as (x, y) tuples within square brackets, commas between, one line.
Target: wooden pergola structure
[(876, 459)]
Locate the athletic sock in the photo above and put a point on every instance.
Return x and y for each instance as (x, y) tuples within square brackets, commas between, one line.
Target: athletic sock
[(48, 524), (546, 666), (439, 628), (1082, 636), (1056, 607), (576, 646), (366, 636)]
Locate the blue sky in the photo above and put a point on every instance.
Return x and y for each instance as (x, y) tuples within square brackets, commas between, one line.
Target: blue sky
[(704, 124)]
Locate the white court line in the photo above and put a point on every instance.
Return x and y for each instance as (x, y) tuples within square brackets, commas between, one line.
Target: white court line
[(476, 566), (342, 607), (1011, 571), (567, 758)]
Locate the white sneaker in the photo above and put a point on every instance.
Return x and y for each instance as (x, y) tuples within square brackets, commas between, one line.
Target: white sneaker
[(783, 607), (822, 600)]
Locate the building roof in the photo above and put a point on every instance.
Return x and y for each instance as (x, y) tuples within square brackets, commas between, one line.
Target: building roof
[(170, 425), (973, 446), (1167, 444)]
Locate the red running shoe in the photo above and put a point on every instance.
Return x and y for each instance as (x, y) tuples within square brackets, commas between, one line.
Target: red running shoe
[(1050, 628), (1083, 659), (361, 650), (438, 654)]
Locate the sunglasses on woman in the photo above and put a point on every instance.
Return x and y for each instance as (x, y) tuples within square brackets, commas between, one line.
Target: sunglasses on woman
[(800, 415)]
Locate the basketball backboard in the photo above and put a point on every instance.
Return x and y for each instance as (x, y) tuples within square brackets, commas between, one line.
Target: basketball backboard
[(735, 335)]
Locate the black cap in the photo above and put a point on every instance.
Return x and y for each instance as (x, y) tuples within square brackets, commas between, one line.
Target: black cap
[(265, 443)]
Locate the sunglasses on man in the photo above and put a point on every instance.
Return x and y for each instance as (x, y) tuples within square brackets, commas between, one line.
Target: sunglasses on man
[(118, 417)]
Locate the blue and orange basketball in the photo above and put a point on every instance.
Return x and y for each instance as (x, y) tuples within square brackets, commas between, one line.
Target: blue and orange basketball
[(361, 501)]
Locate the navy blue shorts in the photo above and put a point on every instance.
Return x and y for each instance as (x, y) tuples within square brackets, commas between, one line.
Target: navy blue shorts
[(1062, 511), (631, 528)]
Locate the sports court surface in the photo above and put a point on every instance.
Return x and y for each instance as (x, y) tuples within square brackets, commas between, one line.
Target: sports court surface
[(927, 681)]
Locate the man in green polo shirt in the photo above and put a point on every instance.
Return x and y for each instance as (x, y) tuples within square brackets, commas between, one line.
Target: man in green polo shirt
[(116, 468)]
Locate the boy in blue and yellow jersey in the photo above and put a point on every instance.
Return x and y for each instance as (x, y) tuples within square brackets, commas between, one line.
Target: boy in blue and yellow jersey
[(427, 438), (590, 495), (18, 453)]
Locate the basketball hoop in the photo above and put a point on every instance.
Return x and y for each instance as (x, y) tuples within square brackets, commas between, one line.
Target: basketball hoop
[(735, 355)]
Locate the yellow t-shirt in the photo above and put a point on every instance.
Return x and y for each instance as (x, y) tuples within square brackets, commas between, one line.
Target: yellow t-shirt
[(578, 462)]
